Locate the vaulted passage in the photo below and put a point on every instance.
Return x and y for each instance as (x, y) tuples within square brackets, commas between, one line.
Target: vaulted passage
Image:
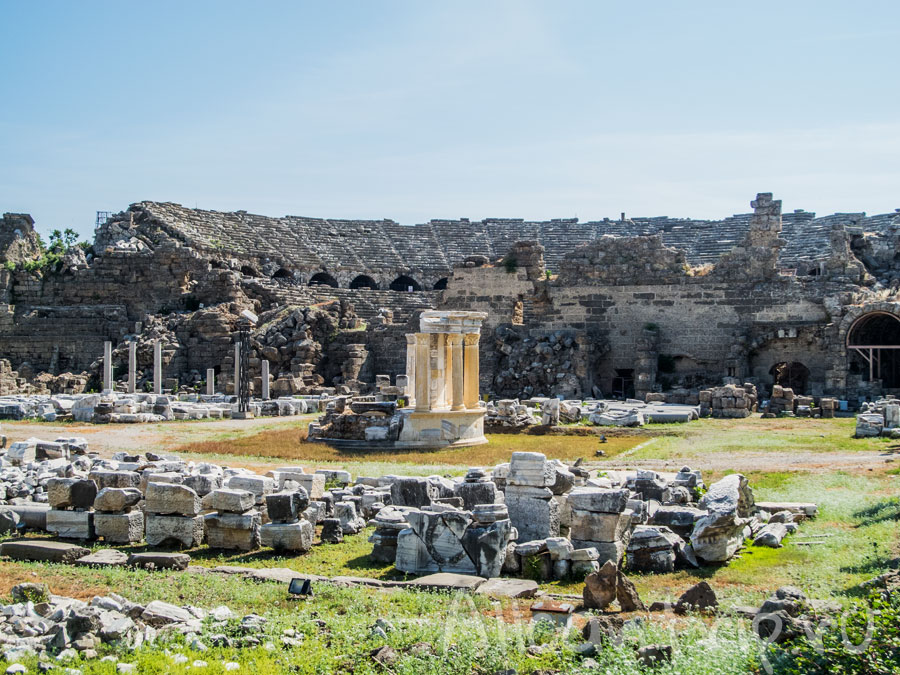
[(323, 279), (441, 284), (873, 348), (283, 274), (405, 283), (793, 375), (364, 281)]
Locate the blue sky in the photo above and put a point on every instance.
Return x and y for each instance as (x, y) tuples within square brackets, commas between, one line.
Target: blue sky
[(417, 110)]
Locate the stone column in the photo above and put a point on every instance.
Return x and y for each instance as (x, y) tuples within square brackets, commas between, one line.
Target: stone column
[(411, 369), (456, 374), (265, 379), (210, 381), (107, 366), (423, 372), (470, 383), (438, 382), (237, 369), (157, 367), (132, 366)]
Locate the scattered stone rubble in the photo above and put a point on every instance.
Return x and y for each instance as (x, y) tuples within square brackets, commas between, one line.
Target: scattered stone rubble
[(879, 418), (530, 517)]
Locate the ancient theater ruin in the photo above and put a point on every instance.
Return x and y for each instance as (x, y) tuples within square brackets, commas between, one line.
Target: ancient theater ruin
[(626, 308)]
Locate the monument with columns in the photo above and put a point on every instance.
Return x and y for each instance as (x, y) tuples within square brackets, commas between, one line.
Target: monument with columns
[(441, 387), (442, 381)]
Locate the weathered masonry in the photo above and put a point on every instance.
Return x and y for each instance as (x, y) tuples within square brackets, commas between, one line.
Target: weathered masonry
[(620, 307)]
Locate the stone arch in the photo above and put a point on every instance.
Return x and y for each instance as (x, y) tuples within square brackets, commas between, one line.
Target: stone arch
[(873, 348), (282, 273), (364, 281), (248, 271), (323, 279), (792, 374), (441, 284), (405, 283)]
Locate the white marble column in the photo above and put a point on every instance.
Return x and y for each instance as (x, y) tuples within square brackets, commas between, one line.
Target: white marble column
[(411, 369), (210, 381), (456, 375), (107, 366), (470, 381), (438, 370), (132, 366), (157, 367), (237, 369), (265, 380), (423, 372)]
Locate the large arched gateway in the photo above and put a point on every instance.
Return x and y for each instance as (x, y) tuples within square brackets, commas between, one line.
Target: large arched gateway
[(873, 348)]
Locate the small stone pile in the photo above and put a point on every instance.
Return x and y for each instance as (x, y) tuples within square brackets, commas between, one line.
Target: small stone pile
[(879, 418), (118, 517), (529, 497), (71, 507), (509, 414), (288, 529), (600, 519), (235, 524), (172, 515), (781, 401), (729, 402)]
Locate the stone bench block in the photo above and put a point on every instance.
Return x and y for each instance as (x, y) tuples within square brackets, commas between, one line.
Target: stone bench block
[(171, 498), (183, 531), (287, 536), (120, 528)]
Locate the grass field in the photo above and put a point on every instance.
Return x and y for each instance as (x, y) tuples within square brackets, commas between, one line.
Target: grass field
[(855, 537)]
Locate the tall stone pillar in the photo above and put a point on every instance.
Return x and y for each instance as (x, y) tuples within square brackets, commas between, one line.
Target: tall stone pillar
[(107, 366), (210, 381), (132, 366), (265, 379), (423, 372), (470, 381), (237, 369), (411, 369), (438, 371), (157, 367), (456, 374)]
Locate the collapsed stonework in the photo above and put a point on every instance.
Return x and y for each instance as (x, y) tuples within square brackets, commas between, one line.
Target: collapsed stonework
[(614, 308)]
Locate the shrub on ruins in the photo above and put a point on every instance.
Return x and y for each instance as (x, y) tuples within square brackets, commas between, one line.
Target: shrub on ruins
[(863, 640), (510, 264)]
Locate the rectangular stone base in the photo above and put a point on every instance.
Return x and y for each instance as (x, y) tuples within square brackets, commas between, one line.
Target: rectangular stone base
[(71, 524), (120, 528), (287, 536), (184, 531), (608, 550)]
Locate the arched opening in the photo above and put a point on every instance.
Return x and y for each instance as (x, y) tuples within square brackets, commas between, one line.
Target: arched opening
[(793, 375), (873, 348), (283, 274), (248, 271), (405, 283), (364, 281), (441, 284), (323, 279)]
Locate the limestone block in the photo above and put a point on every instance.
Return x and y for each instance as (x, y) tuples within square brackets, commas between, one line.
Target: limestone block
[(71, 524), (120, 528), (76, 493), (606, 550), (258, 485), (171, 498), (288, 536), (591, 526), (203, 483), (475, 493), (233, 530), (351, 523), (531, 469), (598, 499), (114, 500), (115, 479), (229, 501), (532, 511), (414, 491), (286, 507), (187, 532)]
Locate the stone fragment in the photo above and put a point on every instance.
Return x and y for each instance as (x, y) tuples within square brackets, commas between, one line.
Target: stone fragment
[(771, 535), (286, 507), (109, 557), (600, 587), (158, 613), (445, 581), (160, 560), (698, 598), (42, 550), (332, 532), (229, 500), (71, 524), (77, 493), (508, 588)]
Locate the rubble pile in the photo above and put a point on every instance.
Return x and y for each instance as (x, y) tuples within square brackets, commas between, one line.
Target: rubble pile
[(879, 418)]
